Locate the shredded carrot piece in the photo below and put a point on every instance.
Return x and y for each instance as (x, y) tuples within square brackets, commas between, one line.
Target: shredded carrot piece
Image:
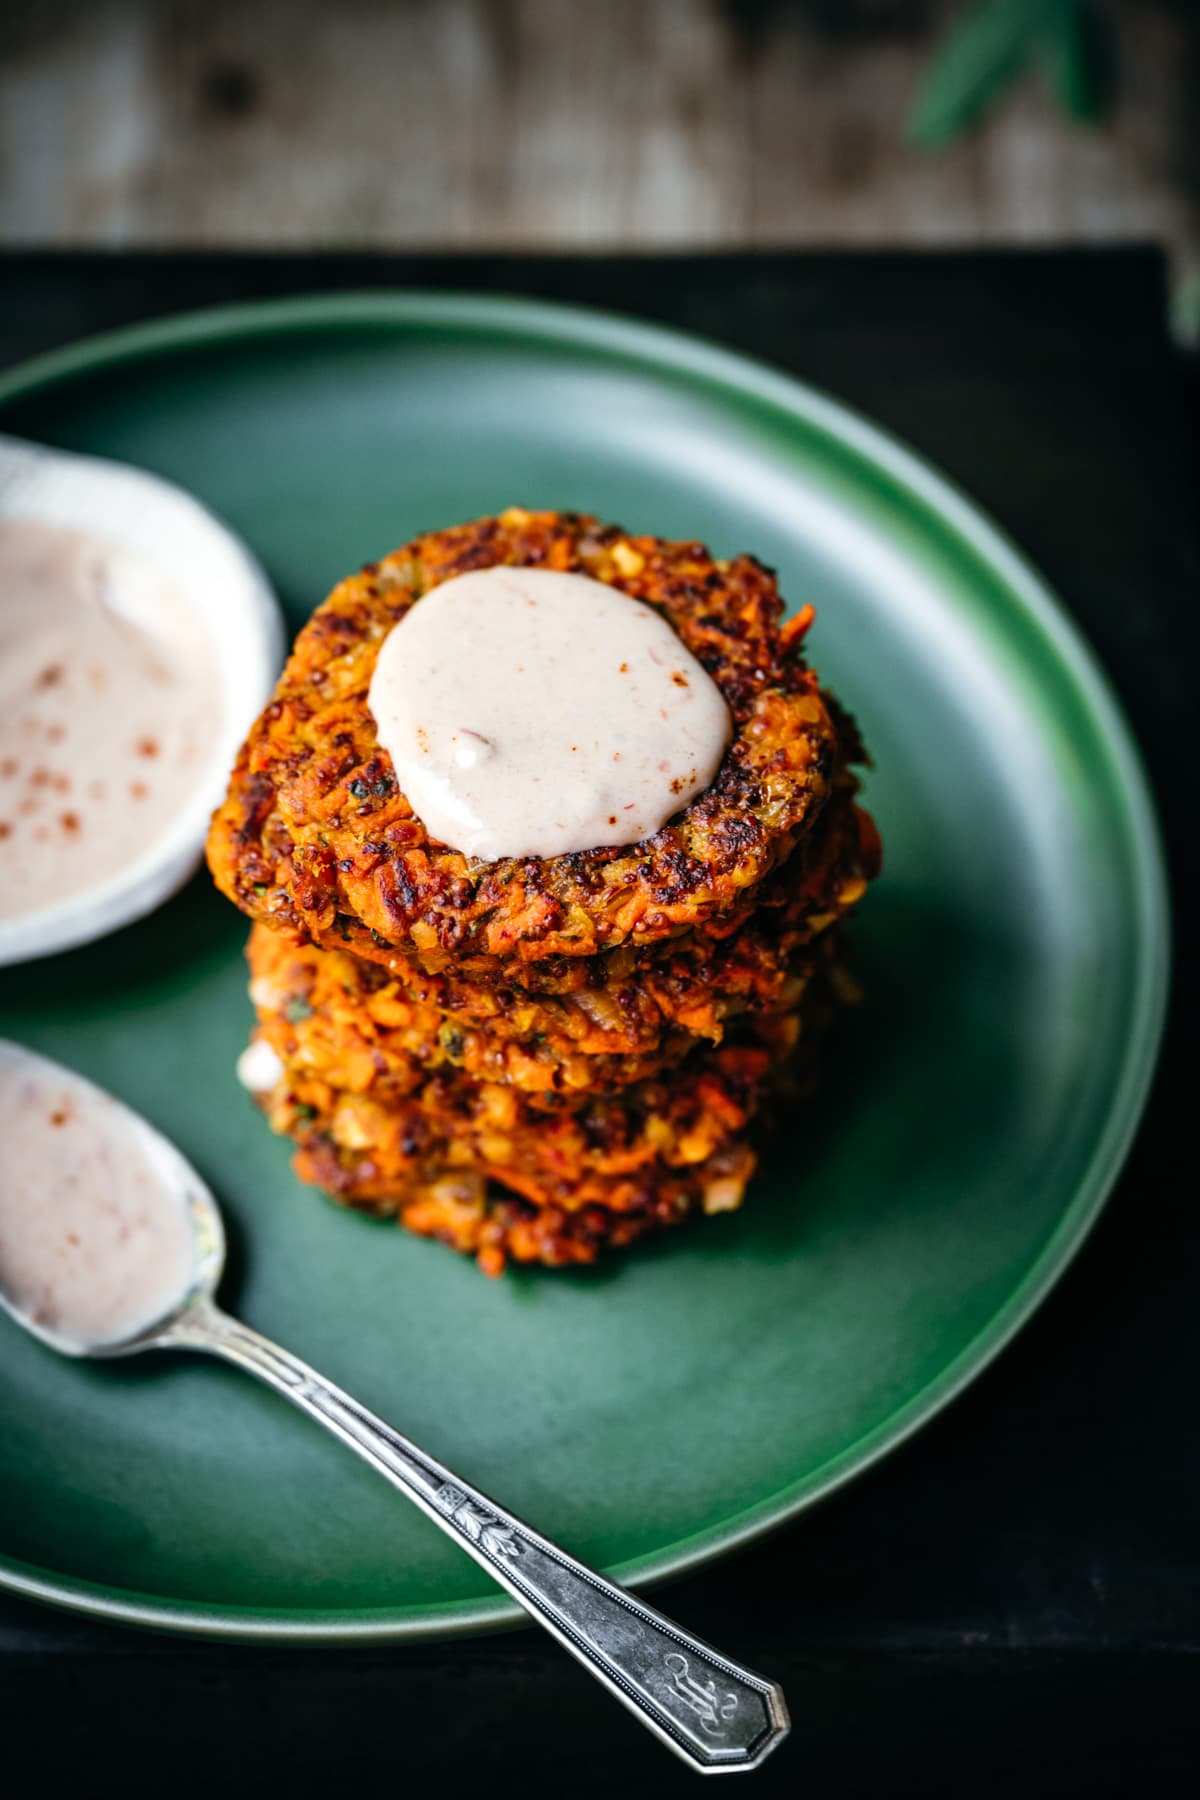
[(793, 631)]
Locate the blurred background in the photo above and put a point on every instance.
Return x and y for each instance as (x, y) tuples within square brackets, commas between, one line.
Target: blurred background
[(394, 124)]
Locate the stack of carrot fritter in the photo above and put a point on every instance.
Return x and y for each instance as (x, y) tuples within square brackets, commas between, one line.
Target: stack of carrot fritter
[(530, 1058)]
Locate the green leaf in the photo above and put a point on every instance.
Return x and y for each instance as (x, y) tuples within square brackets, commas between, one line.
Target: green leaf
[(982, 53), (1078, 56)]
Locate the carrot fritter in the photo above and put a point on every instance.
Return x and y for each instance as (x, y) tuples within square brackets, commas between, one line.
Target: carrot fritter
[(473, 1164), (355, 1018), (315, 837), (534, 1058), (327, 1013)]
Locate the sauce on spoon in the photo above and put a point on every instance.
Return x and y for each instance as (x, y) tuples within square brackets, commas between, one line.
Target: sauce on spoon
[(96, 1239)]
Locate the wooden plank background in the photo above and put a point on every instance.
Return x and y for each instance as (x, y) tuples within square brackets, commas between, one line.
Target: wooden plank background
[(551, 123)]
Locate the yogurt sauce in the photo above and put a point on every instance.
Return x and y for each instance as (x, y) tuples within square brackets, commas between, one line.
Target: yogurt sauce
[(109, 697), (532, 713), (96, 1238)]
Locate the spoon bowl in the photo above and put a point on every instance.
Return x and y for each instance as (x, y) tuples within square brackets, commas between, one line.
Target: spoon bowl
[(208, 1230), (58, 1129)]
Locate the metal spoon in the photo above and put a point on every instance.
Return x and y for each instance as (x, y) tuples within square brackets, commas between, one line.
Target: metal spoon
[(714, 1714)]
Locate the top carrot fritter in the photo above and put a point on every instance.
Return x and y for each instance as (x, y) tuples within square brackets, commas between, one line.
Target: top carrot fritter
[(315, 837)]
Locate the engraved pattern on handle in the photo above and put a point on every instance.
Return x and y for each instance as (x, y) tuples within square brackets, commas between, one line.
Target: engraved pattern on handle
[(714, 1714)]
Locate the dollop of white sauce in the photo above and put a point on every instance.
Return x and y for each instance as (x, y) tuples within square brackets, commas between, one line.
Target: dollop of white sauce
[(96, 1239), (530, 712)]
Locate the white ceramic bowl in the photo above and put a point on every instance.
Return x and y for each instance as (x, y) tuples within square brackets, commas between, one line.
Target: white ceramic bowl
[(223, 584)]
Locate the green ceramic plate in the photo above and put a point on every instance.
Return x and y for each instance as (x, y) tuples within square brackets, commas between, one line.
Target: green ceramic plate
[(666, 1407)]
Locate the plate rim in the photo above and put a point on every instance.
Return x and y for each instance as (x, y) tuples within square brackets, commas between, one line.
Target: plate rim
[(941, 503)]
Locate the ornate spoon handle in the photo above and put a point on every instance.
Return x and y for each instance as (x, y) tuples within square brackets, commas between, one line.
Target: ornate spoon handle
[(714, 1714)]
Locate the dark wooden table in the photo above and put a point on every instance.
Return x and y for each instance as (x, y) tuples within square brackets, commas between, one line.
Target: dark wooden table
[(1013, 1599)]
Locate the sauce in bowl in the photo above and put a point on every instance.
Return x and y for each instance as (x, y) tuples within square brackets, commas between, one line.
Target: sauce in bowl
[(96, 1235), (109, 701)]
